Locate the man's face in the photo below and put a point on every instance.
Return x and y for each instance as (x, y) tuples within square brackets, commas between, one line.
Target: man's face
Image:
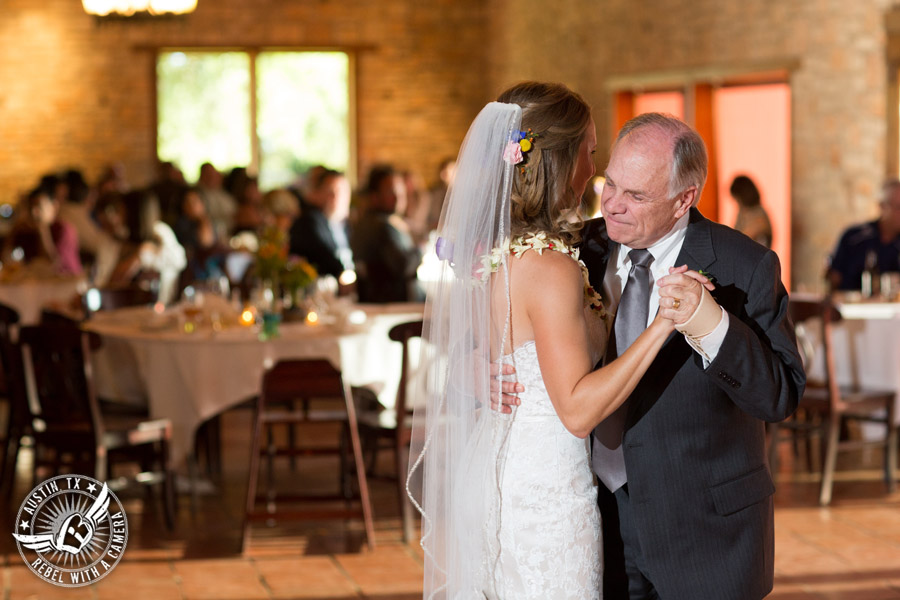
[(584, 163), (890, 211), (635, 200), (336, 198), (391, 195)]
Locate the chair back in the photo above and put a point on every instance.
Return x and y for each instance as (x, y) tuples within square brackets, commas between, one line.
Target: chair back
[(820, 314), (58, 368), (13, 368), (301, 379), (402, 333), (9, 335)]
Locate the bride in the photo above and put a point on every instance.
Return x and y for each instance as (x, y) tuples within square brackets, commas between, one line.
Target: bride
[(508, 500)]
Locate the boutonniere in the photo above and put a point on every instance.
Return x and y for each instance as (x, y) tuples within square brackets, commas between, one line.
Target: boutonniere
[(708, 275)]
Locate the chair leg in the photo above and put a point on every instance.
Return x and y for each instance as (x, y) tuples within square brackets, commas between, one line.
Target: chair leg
[(168, 487), (343, 464), (890, 463), (834, 432), (406, 516), (361, 476), (10, 461), (253, 477)]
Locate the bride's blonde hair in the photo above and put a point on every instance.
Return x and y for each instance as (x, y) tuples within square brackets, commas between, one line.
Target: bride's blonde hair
[(542, 185)]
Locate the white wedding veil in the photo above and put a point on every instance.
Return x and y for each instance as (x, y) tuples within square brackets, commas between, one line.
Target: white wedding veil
[(452, 480)]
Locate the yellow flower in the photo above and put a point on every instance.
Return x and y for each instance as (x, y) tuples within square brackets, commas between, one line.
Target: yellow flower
[(525, 144)]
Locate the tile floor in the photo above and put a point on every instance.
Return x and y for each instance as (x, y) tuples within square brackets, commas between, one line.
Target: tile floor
[(849, 551)]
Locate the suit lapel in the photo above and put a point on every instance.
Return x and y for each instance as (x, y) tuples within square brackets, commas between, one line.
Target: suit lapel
[(697, 251)]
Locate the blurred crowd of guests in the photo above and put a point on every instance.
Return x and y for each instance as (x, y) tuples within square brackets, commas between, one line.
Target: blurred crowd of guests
[(372, 241)]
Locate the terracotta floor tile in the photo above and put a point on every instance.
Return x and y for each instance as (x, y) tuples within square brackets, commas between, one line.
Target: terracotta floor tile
[(140, 581), (388, 570), (225, 579), (310, 577), (25, 585), (848, 551)]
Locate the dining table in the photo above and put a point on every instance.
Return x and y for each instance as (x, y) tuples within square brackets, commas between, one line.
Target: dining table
[(190, 372), (29, 295)]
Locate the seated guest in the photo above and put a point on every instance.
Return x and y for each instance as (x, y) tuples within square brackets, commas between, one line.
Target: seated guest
[(249, 214), (111, 214), (876, 243), (220, 205), (386, 256), (168, 188), (194, 231), (40, 235), (280, 209), (158, 256), (437, 192), (94, 242), (320, 233), (418, 206)]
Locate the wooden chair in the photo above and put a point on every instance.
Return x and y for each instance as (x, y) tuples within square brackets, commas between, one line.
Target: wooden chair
[(827, 407), (392, 428), (324, 399), (67, 426), (18, 421)]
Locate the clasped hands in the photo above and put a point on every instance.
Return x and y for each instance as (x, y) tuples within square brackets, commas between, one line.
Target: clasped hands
[(684, 299)]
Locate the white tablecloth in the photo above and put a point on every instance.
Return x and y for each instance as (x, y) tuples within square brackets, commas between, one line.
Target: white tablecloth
[(189, 378), (30, 296)]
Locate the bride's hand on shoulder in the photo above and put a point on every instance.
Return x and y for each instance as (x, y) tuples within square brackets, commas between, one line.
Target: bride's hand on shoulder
[(680, 293)]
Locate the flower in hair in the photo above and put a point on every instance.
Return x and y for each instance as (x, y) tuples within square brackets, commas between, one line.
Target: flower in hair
[(519, 145), (512, 154)]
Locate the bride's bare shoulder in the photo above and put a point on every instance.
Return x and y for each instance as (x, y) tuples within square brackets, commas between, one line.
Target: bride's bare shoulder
[(549, 268)]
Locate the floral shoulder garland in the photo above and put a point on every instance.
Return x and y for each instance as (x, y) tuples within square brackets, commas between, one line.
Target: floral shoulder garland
[(539, 242)]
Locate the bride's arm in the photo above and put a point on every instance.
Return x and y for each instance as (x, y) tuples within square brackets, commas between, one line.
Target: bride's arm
[(582, 397)]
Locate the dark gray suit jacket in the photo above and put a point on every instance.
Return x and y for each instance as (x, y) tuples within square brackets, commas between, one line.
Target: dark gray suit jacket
[(694, 441)]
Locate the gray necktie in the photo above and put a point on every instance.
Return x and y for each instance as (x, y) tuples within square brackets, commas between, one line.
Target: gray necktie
[(631, 319)]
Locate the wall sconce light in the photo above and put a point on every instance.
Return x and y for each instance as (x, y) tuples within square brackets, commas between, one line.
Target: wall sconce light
[(129, 8)]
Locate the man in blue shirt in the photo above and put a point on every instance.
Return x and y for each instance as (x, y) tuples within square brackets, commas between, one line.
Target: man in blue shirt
[(874, 244)]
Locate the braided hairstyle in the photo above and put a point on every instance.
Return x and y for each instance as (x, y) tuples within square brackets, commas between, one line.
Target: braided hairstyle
[(542, 194)]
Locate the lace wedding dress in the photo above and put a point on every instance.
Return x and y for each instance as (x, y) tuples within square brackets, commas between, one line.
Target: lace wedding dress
[(542, 539)]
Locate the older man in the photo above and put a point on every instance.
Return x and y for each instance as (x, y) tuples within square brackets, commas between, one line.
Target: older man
[(686, 493), (874, 245), (690, 514)]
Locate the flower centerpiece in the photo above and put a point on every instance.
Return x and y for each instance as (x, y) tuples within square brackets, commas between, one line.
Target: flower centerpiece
[(296, 276), (283, 274), (271, 255)]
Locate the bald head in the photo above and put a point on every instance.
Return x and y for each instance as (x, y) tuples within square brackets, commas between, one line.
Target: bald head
[(688, 152)]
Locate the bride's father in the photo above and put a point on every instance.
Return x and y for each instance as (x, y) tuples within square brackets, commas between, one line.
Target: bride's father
[(687, 494)]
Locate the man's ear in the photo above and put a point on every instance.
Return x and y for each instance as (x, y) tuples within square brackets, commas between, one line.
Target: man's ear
[(685, 201)]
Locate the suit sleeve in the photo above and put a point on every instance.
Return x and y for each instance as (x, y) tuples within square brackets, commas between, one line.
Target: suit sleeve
[(758, 364)]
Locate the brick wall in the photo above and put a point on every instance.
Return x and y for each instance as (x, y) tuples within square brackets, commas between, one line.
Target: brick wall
[(78, 92), (838, 85)]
